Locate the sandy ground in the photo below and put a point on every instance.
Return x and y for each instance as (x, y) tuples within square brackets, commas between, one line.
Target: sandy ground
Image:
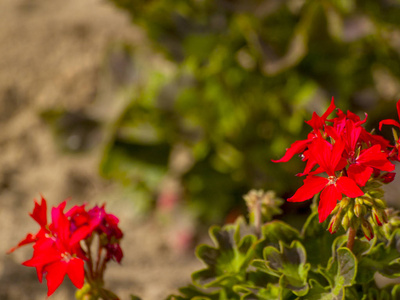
[(52, 55)]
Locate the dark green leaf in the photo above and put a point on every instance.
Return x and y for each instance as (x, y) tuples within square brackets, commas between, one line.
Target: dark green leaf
[(290, 264), (317, 241), (275, 232), (341, 273), (228, 260)]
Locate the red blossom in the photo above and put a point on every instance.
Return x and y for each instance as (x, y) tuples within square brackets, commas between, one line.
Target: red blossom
[(57, 249), (330, 160), (54, 254), (346, 152)]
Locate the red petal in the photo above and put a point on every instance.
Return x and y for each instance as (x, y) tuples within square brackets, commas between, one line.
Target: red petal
[(330, 109), (360, 174), (352, 134), (76, 272), (321, 151), (39, 213), (30, 238), (375, 158), (388, 122), (295, 148), (336, 155), (80, 234), (42, 258), (55, 275), (328, 200), (312, 185), (61, 223), (348, 187)]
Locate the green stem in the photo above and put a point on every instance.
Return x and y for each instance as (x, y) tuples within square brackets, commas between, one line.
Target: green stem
[(257, 216), (90, 261)]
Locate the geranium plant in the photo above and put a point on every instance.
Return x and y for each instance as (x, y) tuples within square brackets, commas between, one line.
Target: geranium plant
[(78, 243), (348, 239)]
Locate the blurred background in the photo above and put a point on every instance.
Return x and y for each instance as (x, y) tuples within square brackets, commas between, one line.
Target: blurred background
[(170, 111)]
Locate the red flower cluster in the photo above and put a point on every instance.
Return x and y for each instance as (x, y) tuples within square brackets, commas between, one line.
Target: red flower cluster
[(342, 149), (57, 249)]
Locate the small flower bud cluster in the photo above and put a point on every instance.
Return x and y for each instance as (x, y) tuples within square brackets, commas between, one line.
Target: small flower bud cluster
[(264, 204), (361, 211)]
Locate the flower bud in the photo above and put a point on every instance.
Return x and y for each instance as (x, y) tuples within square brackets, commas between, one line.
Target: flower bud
[(344, 202), (358, 211), (367, 230), (379, 216), (385, 216), (359, 201), (334, 223), (376, 193), (374, 185), (367, 201), (335, 210), (389, 177), (331, 223), (350, 214), (380, 203), (345, 222)]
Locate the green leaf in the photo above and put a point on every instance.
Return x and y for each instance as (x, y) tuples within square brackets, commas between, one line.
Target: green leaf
[(341, 273), (275, 232), (381, 258), (317, 241), (316, 291), (251, 292), (192, 292), (289, 264), (228, 260)]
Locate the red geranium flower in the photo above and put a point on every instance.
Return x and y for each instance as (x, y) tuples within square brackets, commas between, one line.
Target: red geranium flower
[(330, 160), (56, 251)]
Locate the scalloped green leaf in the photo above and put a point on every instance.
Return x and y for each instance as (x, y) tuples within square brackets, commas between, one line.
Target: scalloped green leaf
[(289, 264), (316, 291), (228, 260), (223, 238), (274, 232), (341, 273), (261, 265)]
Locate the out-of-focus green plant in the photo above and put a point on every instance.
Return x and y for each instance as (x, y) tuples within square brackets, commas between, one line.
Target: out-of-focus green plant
[(243, 76)]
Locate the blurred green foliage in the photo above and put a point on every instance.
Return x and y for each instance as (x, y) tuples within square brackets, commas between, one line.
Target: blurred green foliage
[(242, 78)]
